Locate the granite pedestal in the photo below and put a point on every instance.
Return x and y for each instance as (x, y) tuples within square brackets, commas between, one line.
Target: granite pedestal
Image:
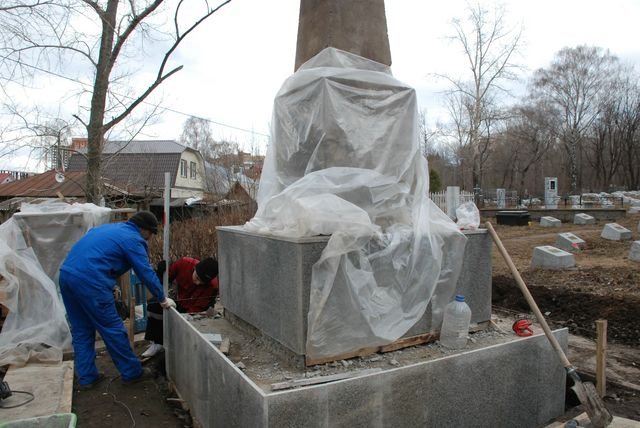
[(582, 218), (615, 232), (570, 242), (265, 281), (548, 257), (517, 383), (548, 221)]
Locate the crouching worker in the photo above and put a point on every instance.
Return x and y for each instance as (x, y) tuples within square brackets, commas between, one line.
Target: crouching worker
[(197, 283), (87, 279)]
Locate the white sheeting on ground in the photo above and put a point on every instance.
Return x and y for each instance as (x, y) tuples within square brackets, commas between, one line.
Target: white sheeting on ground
[(344, 161), (33, 245)]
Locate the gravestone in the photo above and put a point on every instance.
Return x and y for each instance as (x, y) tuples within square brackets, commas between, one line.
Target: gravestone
[(633, 210), (634, 253), (550, 192), (552, 258), (570, 242), (548, 221), (615, 232), (501, 197), (583, 218), (453, 201)]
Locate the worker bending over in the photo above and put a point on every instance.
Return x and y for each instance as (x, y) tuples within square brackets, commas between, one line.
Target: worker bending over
[(87, 279), (198, 287)]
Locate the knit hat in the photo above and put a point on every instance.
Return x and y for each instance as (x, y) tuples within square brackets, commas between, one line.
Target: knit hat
[(145, 220), (207, 269)]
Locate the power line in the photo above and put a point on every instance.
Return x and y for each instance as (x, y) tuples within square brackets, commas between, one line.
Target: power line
[(237, 128)]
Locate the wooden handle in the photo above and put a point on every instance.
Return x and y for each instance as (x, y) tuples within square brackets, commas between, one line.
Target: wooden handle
[(528, 296)]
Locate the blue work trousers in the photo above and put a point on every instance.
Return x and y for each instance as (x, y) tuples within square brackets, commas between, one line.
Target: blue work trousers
[(88, 310)]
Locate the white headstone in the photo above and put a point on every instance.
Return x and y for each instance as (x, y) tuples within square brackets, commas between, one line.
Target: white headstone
[(570, 242), (634, 253), (548, 257), (583, 218), (501, 198), (633, 210), (548, 221), (453, 201), (615, 232), (551, 192)]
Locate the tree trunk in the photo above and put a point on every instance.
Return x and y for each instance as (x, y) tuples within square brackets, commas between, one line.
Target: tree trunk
[(95, 128)]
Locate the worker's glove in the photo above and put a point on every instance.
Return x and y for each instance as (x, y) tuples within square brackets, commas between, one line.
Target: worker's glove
[(168, 303)]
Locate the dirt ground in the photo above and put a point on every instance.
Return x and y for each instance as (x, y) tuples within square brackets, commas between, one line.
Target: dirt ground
[(603, 285)]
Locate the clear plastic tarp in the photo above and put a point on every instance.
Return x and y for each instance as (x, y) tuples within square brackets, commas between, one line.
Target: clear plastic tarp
[(33, 244), (344, 161)]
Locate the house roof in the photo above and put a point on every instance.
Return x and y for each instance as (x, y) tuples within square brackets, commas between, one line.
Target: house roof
[(141, 146), (45, 185), (137, 166), (134, 172)]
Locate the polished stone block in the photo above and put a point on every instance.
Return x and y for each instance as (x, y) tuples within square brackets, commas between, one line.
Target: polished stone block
[(265, 281)]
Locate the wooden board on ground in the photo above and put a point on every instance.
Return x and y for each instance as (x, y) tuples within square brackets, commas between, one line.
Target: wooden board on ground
[(51, 385), (403, 342)]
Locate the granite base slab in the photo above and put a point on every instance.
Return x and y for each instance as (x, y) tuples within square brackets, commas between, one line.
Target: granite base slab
[(484, 387)]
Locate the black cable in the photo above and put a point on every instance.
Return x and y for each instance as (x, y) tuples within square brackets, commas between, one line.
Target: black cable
[(29, 400)]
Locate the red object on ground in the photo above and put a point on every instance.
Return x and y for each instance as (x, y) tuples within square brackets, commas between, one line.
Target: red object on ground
[(522, 328)]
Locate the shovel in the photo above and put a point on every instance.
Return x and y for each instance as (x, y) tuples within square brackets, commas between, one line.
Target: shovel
[(586, 392)]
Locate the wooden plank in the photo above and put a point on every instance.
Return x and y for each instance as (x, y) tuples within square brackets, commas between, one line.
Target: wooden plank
[(321, 379), (67, 388), (403, 342), (601, 356), (52, 386), (224, 346)]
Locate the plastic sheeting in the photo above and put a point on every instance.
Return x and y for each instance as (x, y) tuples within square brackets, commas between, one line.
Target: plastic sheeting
[(344, 161), (33, 244)]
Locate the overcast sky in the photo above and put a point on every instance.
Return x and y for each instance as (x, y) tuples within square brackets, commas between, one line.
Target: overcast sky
[(236, 62)]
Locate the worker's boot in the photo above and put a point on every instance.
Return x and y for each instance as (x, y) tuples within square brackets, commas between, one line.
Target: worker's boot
[(152, 350)]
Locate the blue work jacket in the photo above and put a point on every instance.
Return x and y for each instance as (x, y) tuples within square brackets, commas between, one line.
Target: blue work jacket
[(108, 251)]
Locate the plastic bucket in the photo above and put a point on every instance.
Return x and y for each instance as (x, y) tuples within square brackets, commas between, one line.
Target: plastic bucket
[(59, 420)]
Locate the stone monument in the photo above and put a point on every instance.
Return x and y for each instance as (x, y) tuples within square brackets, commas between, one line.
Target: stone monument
[(346, 251), (344, 225)]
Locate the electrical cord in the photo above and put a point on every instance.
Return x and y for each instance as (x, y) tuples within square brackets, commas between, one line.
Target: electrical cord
[(115, 400), (29, 400)]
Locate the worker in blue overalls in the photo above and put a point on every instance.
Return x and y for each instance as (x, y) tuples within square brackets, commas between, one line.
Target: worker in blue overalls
[(87, 279)]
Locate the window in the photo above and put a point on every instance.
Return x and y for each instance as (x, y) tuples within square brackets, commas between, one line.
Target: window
[(183, 168), (192, 169)]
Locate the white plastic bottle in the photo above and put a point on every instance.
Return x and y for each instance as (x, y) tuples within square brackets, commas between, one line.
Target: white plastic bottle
[(455, 324)]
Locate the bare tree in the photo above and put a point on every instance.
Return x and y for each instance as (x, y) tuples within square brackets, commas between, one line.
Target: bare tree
[(196, 133), (577, 83), (528, 138), (489, 47), (44, 35)]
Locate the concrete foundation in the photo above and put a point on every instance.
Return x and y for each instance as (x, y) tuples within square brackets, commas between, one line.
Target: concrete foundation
[(615, 232), (583, 218), (548, 257), (570, 242), (548, 221), (484, 387), (265, 281)]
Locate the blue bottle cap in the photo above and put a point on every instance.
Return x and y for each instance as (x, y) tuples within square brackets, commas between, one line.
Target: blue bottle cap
[(459, 298)]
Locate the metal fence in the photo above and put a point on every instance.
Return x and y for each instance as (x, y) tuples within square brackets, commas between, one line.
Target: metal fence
[(440, 198)]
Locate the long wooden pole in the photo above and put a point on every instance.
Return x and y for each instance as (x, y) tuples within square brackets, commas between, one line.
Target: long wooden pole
[(601, 357)]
